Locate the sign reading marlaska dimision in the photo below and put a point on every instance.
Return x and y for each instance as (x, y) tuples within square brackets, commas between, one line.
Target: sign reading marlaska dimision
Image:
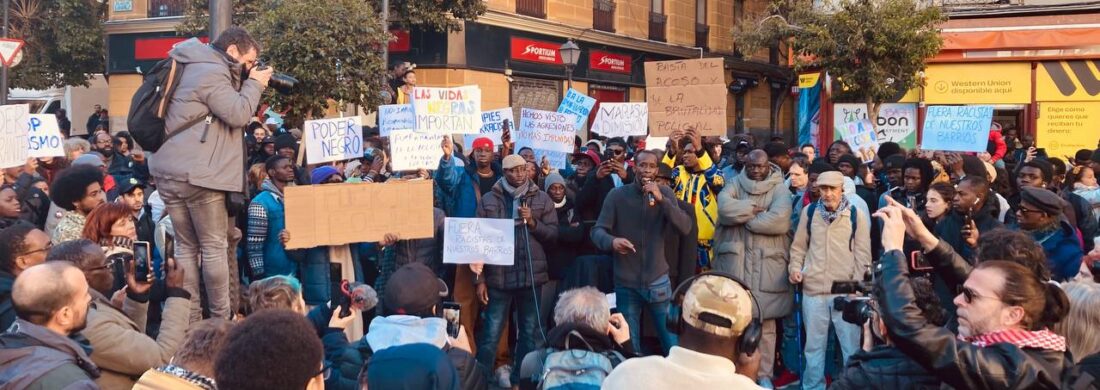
[(1066, 127)]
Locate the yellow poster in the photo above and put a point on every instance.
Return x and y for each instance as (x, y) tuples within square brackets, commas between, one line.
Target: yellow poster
[(1065, 81), (1066, 127), (808, 80), (990, 83)]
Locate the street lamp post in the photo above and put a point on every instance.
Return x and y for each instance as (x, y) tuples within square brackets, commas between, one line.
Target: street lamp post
[(570, 53)]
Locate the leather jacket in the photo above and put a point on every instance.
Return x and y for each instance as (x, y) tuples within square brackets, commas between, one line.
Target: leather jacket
[(959, 364)]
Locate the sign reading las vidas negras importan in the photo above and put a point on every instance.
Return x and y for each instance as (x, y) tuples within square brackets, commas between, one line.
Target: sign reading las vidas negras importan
[(993, 83), (686, 93)]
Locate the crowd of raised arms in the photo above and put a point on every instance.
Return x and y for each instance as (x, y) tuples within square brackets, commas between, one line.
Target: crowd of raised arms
[(703, 263)]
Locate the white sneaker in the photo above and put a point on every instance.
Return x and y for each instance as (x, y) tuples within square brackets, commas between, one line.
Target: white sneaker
[(504, 376), (766, 383)]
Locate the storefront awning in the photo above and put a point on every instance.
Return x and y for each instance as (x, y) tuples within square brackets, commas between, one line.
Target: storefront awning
[(1020, 42)]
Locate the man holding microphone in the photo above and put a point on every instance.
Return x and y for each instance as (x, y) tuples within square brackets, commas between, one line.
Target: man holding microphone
[(632, 224)]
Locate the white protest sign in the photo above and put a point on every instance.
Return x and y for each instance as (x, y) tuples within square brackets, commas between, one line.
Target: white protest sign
[(333, 139), (578, 104), (13, 135), (492, 126), (479, 240), (395, 117), (956, 128), (656, 142), (548, 133), (621, 119), (410, 150), (447, 110), (44, 137), (861, 136)]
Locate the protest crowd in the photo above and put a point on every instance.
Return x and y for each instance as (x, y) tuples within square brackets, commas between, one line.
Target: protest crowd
[(700, 263)]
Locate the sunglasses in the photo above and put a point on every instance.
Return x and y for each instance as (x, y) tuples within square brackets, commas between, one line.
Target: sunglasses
[(616, 151), (1023, 210), (969, 295)]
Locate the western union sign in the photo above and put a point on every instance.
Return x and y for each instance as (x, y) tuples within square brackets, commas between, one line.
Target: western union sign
[(1062, 81), (993, 83)]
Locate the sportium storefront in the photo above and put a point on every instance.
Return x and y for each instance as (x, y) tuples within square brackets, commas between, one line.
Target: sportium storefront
[(1057, 101)]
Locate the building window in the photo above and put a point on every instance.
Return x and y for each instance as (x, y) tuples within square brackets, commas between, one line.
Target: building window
[(700, 11), (702, 30), (535, 8), (165, 8), (657, 20), (603, 15)]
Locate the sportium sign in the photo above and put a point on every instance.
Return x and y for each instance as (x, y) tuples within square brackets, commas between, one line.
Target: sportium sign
[(524, 49), (608, 62), (995, 83)]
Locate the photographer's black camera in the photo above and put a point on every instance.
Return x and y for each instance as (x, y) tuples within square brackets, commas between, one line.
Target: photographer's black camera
[(282, 82), (856, 311)]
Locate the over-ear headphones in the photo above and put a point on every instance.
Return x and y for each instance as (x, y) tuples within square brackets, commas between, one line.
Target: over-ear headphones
[(750, 337)]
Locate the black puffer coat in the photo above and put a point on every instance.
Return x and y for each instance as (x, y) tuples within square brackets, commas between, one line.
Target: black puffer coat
[(498, 204)]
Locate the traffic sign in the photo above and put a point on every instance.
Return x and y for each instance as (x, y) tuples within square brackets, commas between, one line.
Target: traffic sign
[(9, 48)]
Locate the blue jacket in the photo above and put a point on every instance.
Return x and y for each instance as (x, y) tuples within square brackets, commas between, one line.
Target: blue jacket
[(458, 187), (276, 260), (1063, 251), (314, 274)]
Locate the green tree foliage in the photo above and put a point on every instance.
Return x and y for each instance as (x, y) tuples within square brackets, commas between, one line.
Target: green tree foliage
[(875, 50), (439, 15), (331, 47), (64, 42)]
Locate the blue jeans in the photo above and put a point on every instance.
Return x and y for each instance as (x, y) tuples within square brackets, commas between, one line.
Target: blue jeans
[(655, 300), (201, 224), (492, 322)]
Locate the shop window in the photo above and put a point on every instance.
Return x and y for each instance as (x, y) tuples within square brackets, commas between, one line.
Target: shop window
[(535, 8), (539, 94), (603, 15), (165, 8)]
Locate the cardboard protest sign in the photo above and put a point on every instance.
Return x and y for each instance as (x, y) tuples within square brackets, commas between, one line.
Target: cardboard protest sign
[(861, 136), (13, 135), (336, 214), (1066, 127), (447, 110), (621, 119), (492, 126), (395, 117), (686, 93), (479, 240), (333, 139), (410, 150), (44, 137), (956, 128), (548, 133), (578, 104)]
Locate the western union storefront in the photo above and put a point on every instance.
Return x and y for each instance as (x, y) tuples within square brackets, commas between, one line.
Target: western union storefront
[(1057, 101)]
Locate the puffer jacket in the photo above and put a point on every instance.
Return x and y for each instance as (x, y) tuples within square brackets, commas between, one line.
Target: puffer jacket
[(121, 348), (399, 330), (458, 187), (754, 247), (1063, 250), (208, 155), (959, 364), (885, 368), (33, 357), (498, 204), (832, 253)]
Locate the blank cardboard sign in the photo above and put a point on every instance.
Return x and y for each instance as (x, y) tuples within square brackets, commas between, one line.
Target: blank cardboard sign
[(336, 214)]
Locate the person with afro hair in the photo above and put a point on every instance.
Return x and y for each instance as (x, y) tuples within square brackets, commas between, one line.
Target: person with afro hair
[(78, 190), (271, 349)]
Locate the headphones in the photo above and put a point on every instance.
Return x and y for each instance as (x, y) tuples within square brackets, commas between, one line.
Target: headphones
[(750, 336)]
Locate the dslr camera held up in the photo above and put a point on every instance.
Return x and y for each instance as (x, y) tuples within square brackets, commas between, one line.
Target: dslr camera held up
[(854, 310), (282, 82)]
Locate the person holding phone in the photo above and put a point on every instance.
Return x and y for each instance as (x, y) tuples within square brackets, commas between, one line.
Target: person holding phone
[(632, 225)]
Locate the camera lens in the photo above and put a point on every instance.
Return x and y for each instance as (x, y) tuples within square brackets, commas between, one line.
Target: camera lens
[(283, 83)]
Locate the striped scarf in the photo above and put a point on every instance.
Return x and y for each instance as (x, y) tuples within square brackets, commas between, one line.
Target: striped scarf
[(1038, 339)]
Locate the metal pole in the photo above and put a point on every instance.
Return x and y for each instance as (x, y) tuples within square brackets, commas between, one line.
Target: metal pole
[(386, 28), (221, 17), (4, 71), (569, 76)]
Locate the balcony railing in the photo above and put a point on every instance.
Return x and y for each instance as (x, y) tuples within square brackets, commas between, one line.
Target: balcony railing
[(166, 8), (535, 8), (603, 15), (657, 26)]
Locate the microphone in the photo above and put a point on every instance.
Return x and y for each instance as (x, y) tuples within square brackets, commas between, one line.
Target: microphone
[(523, 203), (649, 197)]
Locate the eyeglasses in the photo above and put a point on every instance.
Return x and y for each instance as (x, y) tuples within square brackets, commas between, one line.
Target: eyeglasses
[(1023, 210), (49, 245), (969, 295), (616, 151), (110, 264)]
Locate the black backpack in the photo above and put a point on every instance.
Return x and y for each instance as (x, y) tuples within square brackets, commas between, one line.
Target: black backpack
[(149, 105)]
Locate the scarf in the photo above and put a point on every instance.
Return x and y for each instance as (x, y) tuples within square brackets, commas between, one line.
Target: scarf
[(1039, 339), (830, 216), (517, 193), (193, 378)]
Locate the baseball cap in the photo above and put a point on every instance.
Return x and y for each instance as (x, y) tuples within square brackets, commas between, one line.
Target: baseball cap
[(127, 186), (513, 161), (91, 158), (830, 179), (590, 154), (717, 305), (413, 289), (482, 142)]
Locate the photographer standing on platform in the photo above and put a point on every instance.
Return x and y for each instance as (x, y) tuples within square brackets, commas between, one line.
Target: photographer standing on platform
[(199, 168)]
